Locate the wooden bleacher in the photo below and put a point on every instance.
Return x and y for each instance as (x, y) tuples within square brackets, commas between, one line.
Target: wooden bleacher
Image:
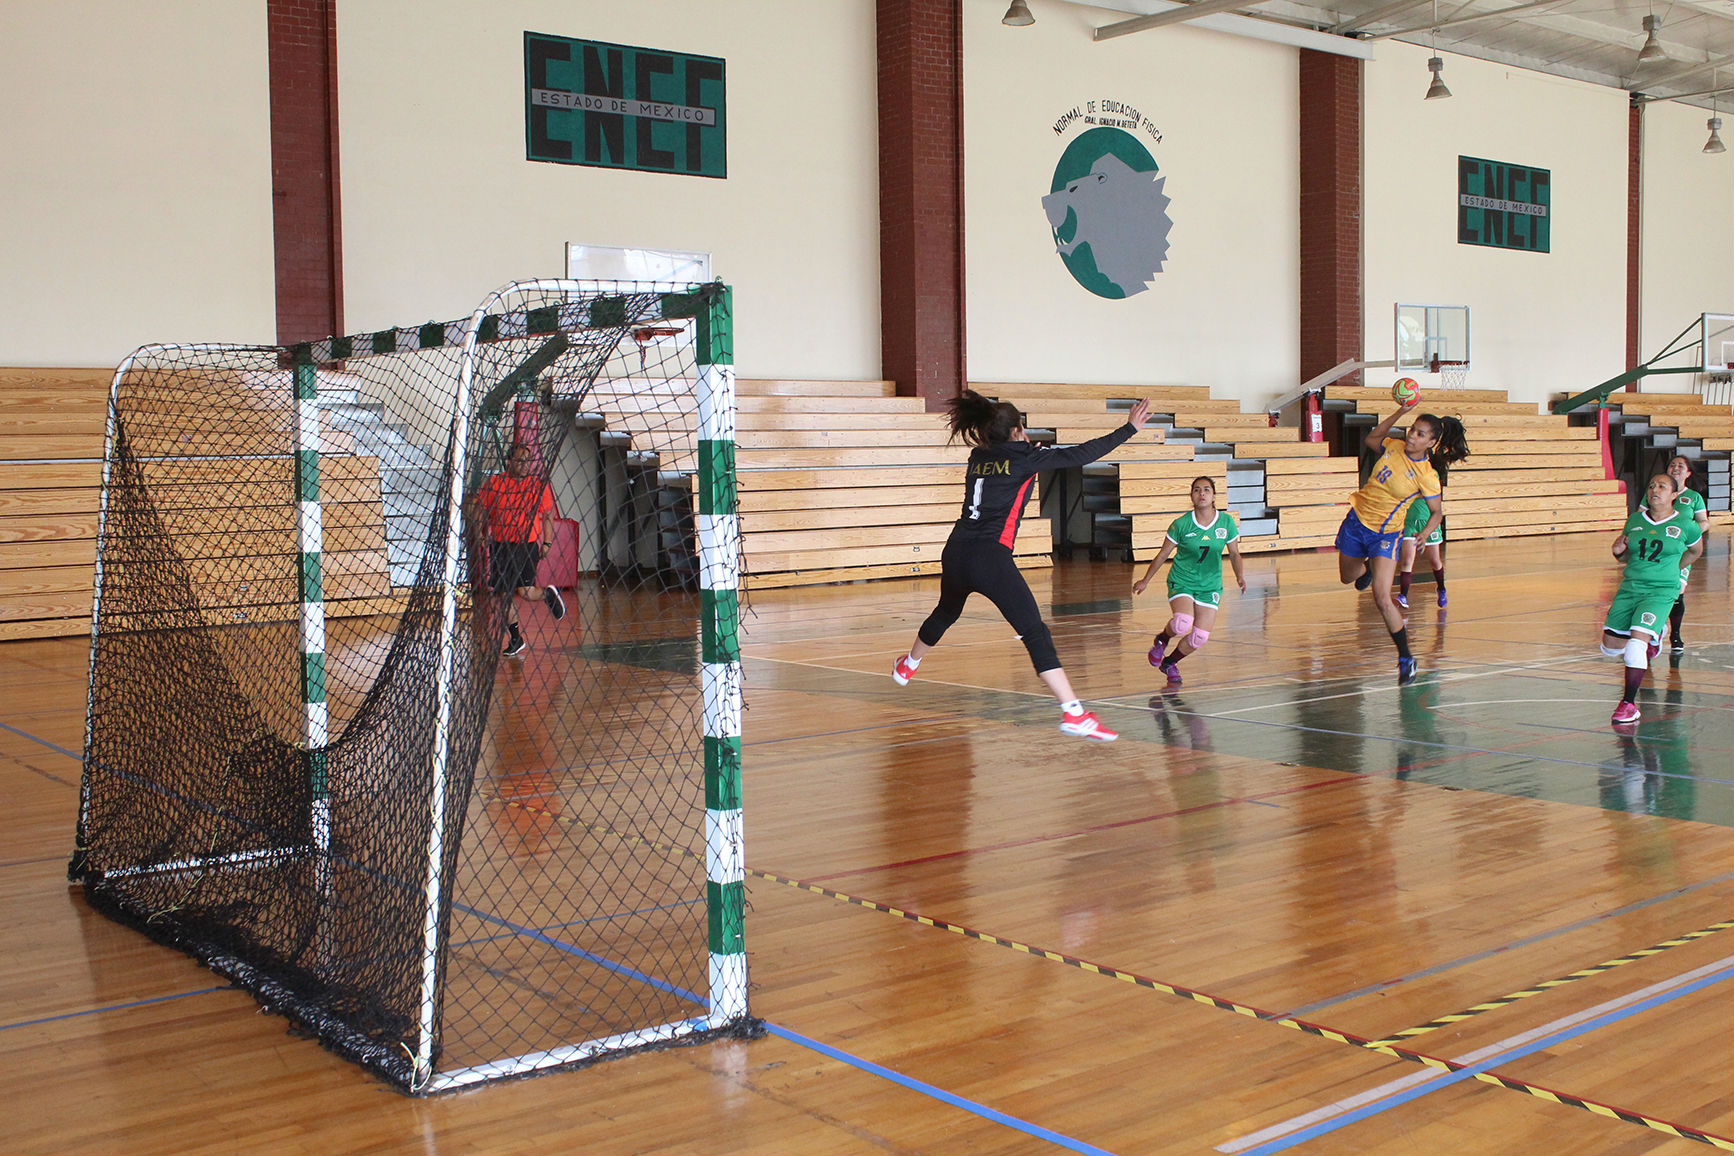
[(1712, 426), (52, 428), (1152, 497)]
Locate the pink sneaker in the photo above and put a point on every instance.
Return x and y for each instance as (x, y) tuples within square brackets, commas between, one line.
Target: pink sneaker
[(1171, 670), (1085, 725), (1155, 655), (1626, 712), (1652, 648), (902, 672)]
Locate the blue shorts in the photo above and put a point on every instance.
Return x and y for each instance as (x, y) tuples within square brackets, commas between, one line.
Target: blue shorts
[(1356, 541)]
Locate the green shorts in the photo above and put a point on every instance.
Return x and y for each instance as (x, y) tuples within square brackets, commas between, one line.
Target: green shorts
[(1640, 608), (1210, 598), (1417, 521)]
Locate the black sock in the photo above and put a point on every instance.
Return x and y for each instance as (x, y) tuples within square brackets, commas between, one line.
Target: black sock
[(1161, 640), (1439, 578), (1401, 638), (1403, 582), (1365, 580), (1634, 676), (1677, 615), (1175, 657)]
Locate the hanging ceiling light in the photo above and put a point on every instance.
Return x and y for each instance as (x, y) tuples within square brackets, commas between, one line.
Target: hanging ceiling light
[(1714, 144), (1652, 49), (1435, 64), (1018, 15), (1436, 90)]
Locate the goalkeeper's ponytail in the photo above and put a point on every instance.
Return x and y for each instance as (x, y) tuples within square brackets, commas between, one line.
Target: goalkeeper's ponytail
[(981, 421)]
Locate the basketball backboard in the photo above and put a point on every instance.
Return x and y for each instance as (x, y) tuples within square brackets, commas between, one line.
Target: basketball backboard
[(1718, 341), (1427, 336), (610, 263)]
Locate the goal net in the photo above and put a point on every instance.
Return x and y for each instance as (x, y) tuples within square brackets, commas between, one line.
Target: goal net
[(344, 748)]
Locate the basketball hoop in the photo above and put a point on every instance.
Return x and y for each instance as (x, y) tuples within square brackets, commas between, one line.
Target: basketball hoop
[(652, 333), (1454, 373)]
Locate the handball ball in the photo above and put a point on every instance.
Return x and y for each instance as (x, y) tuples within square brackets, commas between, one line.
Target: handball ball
[(1405, 391)]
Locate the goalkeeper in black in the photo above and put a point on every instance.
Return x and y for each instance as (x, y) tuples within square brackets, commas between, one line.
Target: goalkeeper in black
[(978, 555)]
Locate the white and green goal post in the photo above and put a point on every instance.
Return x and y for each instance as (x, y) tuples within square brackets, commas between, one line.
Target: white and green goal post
[(719, 547)]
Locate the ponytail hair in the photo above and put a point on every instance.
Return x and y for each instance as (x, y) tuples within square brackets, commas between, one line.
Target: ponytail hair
[(981, 421), (1452, 444)]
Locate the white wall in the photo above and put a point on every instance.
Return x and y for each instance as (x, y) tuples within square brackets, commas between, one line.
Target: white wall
[(135, 196), (440, 206), (1225, 310), (1541, 323), (1688, 239)]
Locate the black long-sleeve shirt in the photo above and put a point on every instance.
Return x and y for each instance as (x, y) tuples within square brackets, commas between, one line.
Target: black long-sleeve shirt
[(997, 485)]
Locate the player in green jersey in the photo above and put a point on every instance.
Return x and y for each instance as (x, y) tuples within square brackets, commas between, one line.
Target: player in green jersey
[(1658, 542), (1412, 543), (1196, 541), (1688, 499)]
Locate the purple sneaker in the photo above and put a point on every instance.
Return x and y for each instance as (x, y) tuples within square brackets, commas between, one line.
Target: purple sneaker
[(1172, 671), (1401, 600)]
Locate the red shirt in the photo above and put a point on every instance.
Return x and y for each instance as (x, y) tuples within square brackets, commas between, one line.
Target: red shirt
[(514, 507)]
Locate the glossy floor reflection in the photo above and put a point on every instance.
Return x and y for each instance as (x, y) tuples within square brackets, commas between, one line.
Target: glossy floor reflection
[(1295, 907)]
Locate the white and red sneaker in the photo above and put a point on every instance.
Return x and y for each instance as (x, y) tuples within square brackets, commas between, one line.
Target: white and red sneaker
[(1626, 712), (1085, 725), (902, 672)]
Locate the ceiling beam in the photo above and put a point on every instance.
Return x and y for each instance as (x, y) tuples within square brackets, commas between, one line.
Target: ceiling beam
[(1726, 88), (1473, 16), (1378, 15), (1682, 72), (1173, 16)]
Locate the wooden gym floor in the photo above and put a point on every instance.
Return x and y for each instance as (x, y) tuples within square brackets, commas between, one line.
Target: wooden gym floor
[(1294, 908)]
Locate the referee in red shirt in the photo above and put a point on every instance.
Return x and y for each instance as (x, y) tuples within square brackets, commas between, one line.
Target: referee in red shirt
[(510, 509)]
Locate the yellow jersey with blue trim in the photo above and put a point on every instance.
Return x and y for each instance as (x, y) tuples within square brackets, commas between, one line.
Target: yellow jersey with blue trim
[(1396, 481)]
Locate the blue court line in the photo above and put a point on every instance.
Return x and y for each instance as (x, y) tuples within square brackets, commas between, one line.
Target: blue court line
[(43, 741), (1446, 1079), (939, 1094), (111, 1007), (573, 949), (571, 922)]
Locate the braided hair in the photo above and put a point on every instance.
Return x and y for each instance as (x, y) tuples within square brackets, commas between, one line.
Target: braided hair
[(981, 421), (1451, 443)]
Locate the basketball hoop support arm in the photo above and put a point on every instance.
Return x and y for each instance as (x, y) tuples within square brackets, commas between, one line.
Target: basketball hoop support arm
[(1316, 384)]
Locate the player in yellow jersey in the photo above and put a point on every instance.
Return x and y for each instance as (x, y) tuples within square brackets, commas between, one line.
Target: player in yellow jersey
[(1407, 471)]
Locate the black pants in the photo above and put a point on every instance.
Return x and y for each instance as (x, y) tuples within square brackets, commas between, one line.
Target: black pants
[(985, 567)]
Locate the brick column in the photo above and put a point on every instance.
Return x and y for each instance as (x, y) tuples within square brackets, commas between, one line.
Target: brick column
[(307, 226), (1634, 233), (921, 197), (1330, 212)]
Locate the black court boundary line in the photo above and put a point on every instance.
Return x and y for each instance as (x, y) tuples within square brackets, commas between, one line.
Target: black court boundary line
[(1549, 984), (1537, 1090), (1594, 1106)]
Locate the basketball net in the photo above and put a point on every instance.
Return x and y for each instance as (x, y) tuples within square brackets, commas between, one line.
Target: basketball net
[(1452, 373)]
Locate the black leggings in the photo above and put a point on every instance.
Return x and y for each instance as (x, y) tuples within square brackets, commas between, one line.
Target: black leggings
[(987, 568)]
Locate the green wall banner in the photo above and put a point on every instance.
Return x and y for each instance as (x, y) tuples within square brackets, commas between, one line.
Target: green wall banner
[(614, 106), (1503, 205)]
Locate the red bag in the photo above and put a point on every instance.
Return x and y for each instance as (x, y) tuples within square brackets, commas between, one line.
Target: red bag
[(560, 567)]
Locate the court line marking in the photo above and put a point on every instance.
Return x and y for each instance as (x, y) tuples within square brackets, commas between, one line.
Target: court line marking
[(1550, 984), (114, 1007), (1457, 1069), (1383, 1098), (37, 739), (937, 1093), (1516, 945), (1537, 758), (1306, 1027)]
